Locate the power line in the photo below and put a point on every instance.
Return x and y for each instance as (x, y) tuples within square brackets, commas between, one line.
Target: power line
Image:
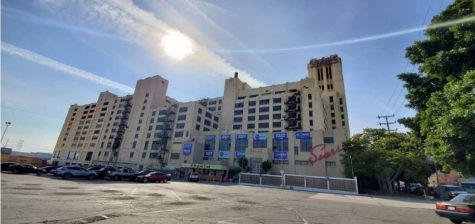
[(387, 123)]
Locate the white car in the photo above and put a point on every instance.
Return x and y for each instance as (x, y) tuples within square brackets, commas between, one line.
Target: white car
[(194, 177), (67, 172)]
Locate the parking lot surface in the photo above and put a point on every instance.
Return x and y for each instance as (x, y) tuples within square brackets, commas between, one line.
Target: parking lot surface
[(46, 199)]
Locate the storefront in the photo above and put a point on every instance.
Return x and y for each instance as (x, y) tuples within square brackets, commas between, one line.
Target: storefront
[(209, 172)]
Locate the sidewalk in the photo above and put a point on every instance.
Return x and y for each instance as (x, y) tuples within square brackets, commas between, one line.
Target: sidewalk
[(377, 200)]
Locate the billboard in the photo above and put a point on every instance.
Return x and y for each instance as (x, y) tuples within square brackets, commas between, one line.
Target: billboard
[(260, 136), (224, 154), (240, 154), (187, 148), (209, 153), (280, 155), (225, 137), (303, 135), (241, 136), (210, 137), (280, 135)]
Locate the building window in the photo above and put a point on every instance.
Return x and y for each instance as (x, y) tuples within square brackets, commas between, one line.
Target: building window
[(210, 143), (263, 125), (197, 127), (276, 124), (341, 101), (198, 119), (309, 96), (181, 117), (332, 114), (144, 154), (264, 102), (178, 134), (264, 117), (212, 108), (333, 122), (239, 105), (343, 123), (131, 155), (208, 115), (263, 109), (175, 156), (183, 109), (200, 110), (134, 144), (251, 110), (276, 116), (252, 103), (305, 145), (148, 135), (277, 108), (330, 163), (331, 99), (180, 125), (237, 127), (311, 122), (215, 126), (332, 107), (207, 122), (341, 109), (155, 145), (237, 119), (260, 141), (342, 116), (251, 126), (280, 144), (241, 145), (310, 113), (251, 118), (145, 146), (310, 105), (237, 112), (225, 144)]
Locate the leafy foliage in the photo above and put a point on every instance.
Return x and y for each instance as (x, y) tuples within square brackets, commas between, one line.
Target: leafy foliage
[(266, 166), (243, 163), (442, 93)]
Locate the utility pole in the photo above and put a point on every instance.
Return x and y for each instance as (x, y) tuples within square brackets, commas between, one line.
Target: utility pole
[(387, 123), (6, 128)]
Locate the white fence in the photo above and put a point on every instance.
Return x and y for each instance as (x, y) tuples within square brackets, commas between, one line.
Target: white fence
[(301, 182)]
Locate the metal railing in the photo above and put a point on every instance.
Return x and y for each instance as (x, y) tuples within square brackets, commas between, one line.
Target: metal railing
[(302, 182)]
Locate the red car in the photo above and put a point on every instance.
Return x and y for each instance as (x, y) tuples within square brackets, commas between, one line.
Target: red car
[(459, 209), (153, 177)]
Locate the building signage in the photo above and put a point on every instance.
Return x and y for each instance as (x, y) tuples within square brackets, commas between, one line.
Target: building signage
[(303, 135), (241, 136), (187, 148), (225, 137), (224, 154), (328, 140), (210, 137), (204, 166), (240, 154), (209, 153), (280, 155), (280, 135), (260, 136)]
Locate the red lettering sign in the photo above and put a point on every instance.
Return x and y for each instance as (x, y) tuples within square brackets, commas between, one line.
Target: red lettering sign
[(314, 157)]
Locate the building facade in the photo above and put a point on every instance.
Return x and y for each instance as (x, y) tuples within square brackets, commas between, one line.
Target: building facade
[(298, 126)]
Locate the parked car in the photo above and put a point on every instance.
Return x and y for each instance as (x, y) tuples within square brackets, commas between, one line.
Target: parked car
[(25, 168), (134, 176), (4, 166), (153, 177), (102, 173), (48, 169), (447, 192), (67, 172), (95, 168), (120, 173), (459, 209), (55, 171), (415, 188), (469, 185), (194, 177)]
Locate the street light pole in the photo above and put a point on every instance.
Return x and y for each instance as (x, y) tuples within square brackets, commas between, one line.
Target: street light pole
[(6, 128)]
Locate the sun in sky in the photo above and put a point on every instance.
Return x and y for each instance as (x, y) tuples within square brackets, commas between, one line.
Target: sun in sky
[(176, 45)]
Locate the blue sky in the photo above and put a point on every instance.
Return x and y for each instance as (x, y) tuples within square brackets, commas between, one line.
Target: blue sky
[(71, 45)]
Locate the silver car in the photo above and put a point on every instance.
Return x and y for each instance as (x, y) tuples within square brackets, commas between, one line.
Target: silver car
[(67, 172)]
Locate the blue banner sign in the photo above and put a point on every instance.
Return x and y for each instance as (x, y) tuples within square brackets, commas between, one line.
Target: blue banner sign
[(210, 137), (328, 140), (209, 153), (280, 135), (260, 136), (224, 154), (280, 155), (187, 148), (240, 154), (241, 136), (303, 135), (225, 137)]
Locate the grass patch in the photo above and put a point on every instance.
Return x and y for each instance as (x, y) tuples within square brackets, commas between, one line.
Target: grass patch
[(111, 191), (156, 194), (201, 198), (181, 203)]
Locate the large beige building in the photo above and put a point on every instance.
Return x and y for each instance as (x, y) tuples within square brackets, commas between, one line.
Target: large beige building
[(298, 126)]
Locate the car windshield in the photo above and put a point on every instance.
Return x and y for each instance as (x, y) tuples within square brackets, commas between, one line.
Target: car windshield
[(454, 189), (464, 199)]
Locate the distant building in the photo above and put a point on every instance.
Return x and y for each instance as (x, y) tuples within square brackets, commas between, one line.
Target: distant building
[(6, 150), (299, 126)]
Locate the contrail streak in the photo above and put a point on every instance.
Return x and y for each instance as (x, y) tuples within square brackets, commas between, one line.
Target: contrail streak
[(42, 60), (351, 41)]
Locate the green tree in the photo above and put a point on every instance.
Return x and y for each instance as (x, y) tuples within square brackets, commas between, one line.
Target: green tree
[(266, 166), (243, 163), (444, 124), (385, 157)]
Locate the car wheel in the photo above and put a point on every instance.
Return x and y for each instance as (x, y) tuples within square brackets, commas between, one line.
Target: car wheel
[(145, 180), (15, 171), (38, 173), (456, 221), (116, 177), (165, 180)]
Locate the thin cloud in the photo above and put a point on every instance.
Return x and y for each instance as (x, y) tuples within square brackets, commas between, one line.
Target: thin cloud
[(350, 41), (127, 19), (42, 60)]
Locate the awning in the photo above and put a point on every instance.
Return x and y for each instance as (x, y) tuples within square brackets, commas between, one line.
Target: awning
[(204, 166)]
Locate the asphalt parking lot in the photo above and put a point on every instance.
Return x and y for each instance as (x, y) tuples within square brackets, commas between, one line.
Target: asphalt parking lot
[(33, 199)]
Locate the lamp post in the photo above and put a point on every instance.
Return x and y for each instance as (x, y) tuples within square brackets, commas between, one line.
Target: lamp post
[(6, 128)]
